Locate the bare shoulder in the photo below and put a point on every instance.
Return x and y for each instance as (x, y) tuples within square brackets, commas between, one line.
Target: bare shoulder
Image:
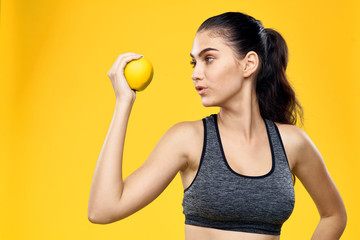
[(187, 128), (294, 139), (189, 137)]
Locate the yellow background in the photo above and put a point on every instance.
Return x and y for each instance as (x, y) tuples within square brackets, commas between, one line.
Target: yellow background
[(57, 104)]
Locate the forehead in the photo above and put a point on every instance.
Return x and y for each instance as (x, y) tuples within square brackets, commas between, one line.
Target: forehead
[(203, 40)]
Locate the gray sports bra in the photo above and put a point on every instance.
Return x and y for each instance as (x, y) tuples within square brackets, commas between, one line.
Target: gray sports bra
[(219, 197)]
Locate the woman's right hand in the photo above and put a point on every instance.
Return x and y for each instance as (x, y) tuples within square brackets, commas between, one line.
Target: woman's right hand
[(122, 89)]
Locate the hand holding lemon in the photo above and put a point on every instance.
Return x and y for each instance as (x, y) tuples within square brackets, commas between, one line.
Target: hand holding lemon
[(131, 72)]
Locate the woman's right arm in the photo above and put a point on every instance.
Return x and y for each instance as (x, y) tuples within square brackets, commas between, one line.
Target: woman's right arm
[(111, 197)]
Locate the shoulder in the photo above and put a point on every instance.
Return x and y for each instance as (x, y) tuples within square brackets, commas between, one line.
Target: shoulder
[(292, 133), (187, 135), (295, 141), (186, 129)]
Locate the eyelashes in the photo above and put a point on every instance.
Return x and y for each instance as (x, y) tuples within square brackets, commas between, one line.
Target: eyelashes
[(193, 63)]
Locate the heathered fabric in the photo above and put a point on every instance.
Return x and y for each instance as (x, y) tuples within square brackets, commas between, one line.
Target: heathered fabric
[(219, 197)]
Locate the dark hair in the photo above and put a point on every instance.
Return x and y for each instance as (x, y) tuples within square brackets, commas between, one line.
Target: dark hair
[(243, 33)]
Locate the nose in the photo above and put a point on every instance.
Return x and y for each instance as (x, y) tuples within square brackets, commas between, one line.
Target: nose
[(197, 74)]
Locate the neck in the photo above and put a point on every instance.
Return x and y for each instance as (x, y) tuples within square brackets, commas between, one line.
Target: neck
[(240, 116)]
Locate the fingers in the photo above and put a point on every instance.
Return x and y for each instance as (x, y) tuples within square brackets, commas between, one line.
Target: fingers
[(121, 61), (118, 80), (126, 58)]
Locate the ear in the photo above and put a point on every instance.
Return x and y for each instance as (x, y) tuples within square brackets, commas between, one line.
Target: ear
[(250, 63)]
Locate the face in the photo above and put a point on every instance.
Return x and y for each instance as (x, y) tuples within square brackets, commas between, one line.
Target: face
[(216, 68)]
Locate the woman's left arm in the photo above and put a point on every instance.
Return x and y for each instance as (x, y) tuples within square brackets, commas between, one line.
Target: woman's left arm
[(311, 170)]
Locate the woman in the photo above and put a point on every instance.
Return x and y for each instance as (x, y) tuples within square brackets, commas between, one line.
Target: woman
[(237, 165)]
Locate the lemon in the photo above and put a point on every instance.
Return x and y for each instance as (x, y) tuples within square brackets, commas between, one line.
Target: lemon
[(139, 73)]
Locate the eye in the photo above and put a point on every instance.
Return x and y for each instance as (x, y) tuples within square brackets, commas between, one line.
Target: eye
[(209, 58), (193, 63)]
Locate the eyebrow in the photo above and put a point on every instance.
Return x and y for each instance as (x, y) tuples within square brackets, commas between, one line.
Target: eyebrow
[(204, 51)]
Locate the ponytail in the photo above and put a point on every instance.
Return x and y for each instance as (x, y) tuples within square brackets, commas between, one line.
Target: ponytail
[(277, 100)]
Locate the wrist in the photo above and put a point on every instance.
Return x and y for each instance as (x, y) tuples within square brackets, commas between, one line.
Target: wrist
[(124, 103), (125, 100)]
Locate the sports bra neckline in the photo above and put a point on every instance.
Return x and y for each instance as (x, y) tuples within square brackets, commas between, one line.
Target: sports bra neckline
[(224, 157)]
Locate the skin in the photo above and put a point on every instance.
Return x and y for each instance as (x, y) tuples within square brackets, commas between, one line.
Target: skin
[(230, 85)]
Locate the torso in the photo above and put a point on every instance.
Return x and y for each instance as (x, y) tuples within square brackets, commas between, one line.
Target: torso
[(260, 165)]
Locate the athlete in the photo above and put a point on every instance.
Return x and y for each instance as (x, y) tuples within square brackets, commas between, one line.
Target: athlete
[(238, 166)]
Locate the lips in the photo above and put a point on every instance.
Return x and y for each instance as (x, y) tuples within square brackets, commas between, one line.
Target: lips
[(198, 88)]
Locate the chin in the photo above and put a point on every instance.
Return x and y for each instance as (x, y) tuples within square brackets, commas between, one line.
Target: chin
[(207, 103)]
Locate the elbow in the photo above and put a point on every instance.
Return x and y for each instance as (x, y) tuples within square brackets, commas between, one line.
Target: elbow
[(96, 220), (97, 214), (99, 217), (344, 219), (102, 217), (104, 212), (339, 219)]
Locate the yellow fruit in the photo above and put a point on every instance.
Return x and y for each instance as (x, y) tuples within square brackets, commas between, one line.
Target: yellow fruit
[(139, 73)]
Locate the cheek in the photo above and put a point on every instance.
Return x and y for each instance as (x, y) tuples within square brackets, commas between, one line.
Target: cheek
[(225, 78)]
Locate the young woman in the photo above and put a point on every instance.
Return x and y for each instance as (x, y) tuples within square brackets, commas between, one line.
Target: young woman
[(236, 166)]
